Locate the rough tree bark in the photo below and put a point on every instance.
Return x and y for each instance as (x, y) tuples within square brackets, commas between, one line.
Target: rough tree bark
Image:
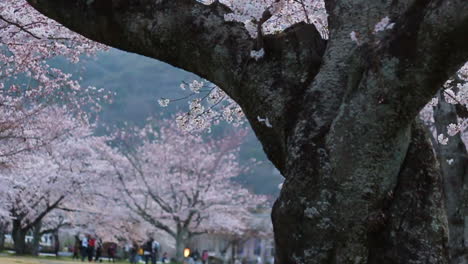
[(3, 231), (21, 225), (56, 240), (362, 185), (453, 159), (37, 234), (19, 237), (181, 239)]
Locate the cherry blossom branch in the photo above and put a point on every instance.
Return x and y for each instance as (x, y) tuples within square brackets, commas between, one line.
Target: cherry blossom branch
[(22, 28)]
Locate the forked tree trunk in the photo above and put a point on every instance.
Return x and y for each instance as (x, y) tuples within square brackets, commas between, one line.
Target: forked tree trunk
[(403, 224)]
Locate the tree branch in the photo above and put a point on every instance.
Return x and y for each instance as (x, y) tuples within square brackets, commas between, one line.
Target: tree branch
[(21, 27), (430, 41), (44, 213), (184, 33)]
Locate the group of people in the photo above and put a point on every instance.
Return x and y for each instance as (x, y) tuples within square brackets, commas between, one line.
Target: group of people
[(150, 251), (195, 258), (90, 248)]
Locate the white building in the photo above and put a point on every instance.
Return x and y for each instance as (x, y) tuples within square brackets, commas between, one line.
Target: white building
[(253, 247), (47, 240)]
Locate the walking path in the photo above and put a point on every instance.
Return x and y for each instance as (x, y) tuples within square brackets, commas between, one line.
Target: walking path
[(20, 260), (26, 260)]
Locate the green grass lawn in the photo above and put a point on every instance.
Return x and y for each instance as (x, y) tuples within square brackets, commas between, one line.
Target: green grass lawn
[(11, 259)]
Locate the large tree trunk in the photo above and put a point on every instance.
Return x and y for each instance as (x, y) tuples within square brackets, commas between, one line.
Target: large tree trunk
[(453, 159), (180, 246), (56, 242), (365, 220), (36, 238), (181, 242), (234, 245), (19, 238), (3, 230)]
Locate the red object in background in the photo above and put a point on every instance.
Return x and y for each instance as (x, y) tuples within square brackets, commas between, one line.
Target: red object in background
[(92, 242)]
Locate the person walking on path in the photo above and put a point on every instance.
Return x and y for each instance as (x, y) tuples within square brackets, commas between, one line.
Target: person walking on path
[(147, 250), (76, 248), (134, 253), (84, 248), (204, 256), (98, 251), (196, 256), (91, 245), (155, 249), (165, 259), (111, 252)]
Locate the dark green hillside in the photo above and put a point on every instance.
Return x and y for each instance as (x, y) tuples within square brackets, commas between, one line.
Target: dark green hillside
[(139, 82)]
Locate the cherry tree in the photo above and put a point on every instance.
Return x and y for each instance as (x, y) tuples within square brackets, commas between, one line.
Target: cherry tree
[(51, 224), (31, 120), (30, 88), (362, 185), (107, 219), (28, 41), (43, 180), (29, 85), (181, 184)]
